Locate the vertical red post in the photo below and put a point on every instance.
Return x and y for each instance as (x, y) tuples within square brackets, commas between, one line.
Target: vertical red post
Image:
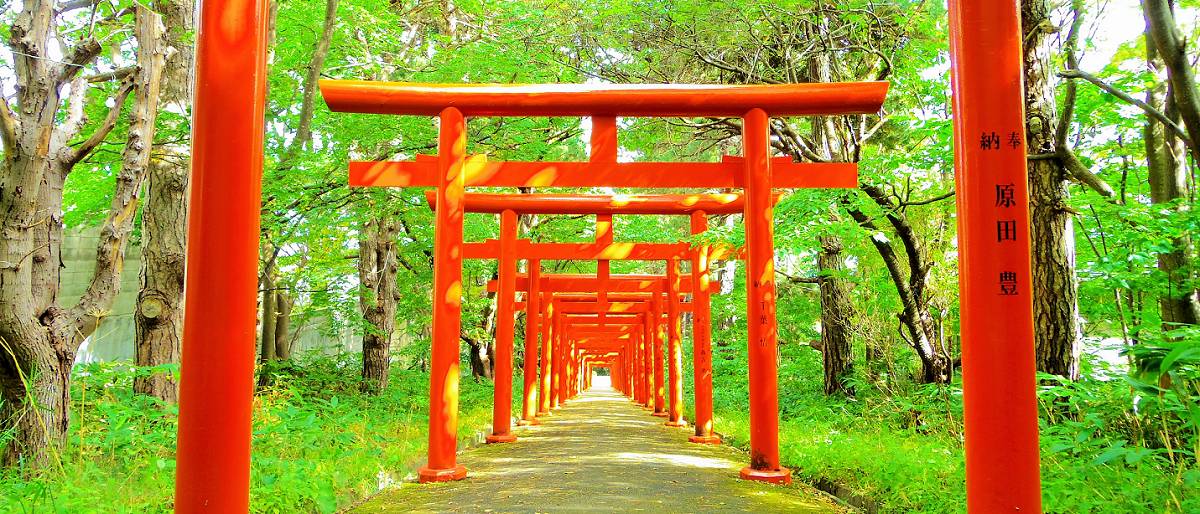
[(556, 368), (533, 310), (674, 346), (604, 235), (760, 300), (702, 337), (447, 302), (547, 360), (637, 365), (648, 360), (217, 377), (999, 397), (630, 361), (505, 330), (656, 313)]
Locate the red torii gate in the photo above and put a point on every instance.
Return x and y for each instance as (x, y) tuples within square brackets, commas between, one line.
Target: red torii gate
[(217, 384), (697, 206)]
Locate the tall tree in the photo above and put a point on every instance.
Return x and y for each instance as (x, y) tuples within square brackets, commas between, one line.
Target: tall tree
[(1166, 153), (41, 148), (1053, 284), (377, 268), (836, 318), (158, 319)]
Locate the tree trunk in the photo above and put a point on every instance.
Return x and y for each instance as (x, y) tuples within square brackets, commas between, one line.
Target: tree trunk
[(38, 337), (158, 318), (283, 335), (1053, 286), (1167, 169), (377, 268), (266, 352), (1169, 46), (836, 314)]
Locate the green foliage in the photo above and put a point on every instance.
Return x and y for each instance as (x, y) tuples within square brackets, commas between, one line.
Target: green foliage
[(319, 444), (903, 450)]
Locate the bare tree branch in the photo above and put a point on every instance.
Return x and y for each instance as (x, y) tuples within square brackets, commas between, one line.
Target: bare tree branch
[(1150, 110), (110, 121)]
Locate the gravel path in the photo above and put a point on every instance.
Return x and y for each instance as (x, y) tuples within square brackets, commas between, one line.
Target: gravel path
[(601, 453)]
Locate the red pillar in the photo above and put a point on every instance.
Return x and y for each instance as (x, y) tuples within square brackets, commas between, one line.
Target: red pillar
[(660, 407), (760, 300), (217, 377), (533, 309), (447, 302), (547, 360), (505, 330), (648, 360), (702, 338), (674, 346), (556, 367), (628, 362), (999, 397)]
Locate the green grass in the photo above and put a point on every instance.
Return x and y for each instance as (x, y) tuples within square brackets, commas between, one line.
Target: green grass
[(903, 450), (318, 444)]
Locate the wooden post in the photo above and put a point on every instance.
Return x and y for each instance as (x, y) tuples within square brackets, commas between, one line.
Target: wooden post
[(999, 396), (545, 393), (217, 371), (505, 330), (674, 347), (656, 324), (702, 338), (447, 302), (533, 309), (760, 300)]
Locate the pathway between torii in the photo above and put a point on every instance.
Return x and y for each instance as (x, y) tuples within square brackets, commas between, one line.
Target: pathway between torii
[(600, 452)]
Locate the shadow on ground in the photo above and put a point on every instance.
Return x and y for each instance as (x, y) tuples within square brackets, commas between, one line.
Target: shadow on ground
[(600, 452)]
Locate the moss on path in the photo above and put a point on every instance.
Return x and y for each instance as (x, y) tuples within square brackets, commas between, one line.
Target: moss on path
[(600, 452)]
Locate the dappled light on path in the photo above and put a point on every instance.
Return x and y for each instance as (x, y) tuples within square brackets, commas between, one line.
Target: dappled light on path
[(599, 452)]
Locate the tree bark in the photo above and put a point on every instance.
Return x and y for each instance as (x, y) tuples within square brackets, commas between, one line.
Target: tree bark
[(1167, 170), (283, 334), (836, 315), (377, 268), (39, 338), (1053, 286), (158, 318), (1163, 33), (266, 352)]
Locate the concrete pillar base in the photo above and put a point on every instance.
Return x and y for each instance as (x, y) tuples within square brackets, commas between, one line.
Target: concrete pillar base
[(426, 474), (528, 422), (500, 438), (705, 439), (659, 414), (773, 476), (678, 424)]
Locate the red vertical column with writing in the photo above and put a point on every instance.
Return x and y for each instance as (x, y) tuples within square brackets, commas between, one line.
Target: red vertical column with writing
[(760, 300), (999, 396)]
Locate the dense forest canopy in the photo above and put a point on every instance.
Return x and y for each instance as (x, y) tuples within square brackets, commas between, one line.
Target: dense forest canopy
[(94, 116)]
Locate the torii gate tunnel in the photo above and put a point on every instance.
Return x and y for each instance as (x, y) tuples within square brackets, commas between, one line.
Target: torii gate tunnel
[(217, 384)]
